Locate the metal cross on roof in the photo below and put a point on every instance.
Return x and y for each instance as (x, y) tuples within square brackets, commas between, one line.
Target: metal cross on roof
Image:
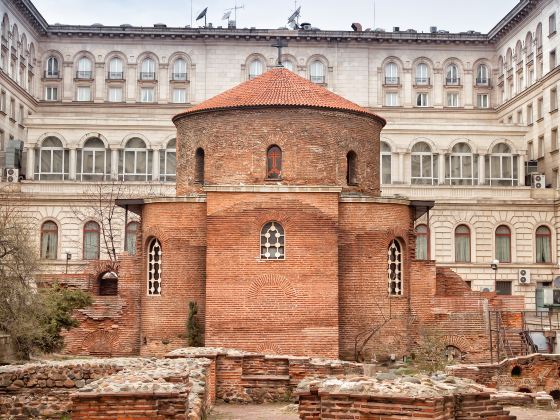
[(280, 43)]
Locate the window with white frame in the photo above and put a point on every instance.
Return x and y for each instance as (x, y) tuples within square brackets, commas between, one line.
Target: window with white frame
[(554, 139), (386, 157), (553, 99), (461, 167), (422, 77), (51, 160), (501, 166), (391, 74), (540, 108), (530, 150), (272, 241), (135, 162), (255, 68), (180, 96), (288, 65), (530, 114), (84, 69), (452, 75), (115, 94), (482, 100), (540, 146), (154, 267), (395, 269), (147, 95), (452, 99), (423, 165), (167, 165), (482, 75), (116, 69), (49, 240), (552, 24), (391, 99), (91, 245), (3, 101), (52, 68), (148, 69), (93, 161), (317, 72), (51, 93), (179, 70), (83, 93), (422, 99)]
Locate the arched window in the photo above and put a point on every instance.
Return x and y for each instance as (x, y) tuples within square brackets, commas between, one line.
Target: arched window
[(501, 166), (462, 244), (91, 240), (136, 161), (529, 43), (52, 160), (452, 75), (422, 241), (154, 267), (272, 241), (179, 70), (482, 75), (386, 157), (52, 68), (317, 72), (503, 244), (84, 69), (422, 77), (288, 64), (199, 166), (391, 74), (130, 237), (167, 161), (351, 169), (93, 161), (148, 69), (538, 37), (543, 241), (509, 58), (255, 68), (49, 240), (116, 69), (395, 268), (461, 168), (108, 284), (274, 162), (423, 165)]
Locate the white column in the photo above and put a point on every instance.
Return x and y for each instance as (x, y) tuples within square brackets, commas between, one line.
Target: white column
[(438, 88), (401, 167), (468, 89), (441, 167), (30, 170), (67, 82), (521, 169), (155, 165), (481, 168), (406, 83), (114, 163), (72, 165)]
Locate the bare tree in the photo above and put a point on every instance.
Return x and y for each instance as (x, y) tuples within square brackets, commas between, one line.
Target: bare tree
[(362, 339)]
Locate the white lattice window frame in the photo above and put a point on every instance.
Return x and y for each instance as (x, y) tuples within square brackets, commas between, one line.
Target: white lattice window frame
[(154, 261), (266, 245), (395, 281)]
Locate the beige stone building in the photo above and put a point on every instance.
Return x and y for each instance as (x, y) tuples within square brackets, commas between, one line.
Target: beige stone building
[(470, 115)]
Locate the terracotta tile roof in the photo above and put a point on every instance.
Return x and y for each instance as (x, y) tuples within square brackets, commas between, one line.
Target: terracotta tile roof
[(277, 87)]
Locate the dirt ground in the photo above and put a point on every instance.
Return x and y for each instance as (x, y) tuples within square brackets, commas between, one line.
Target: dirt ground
[(524, 413), (276, 411)]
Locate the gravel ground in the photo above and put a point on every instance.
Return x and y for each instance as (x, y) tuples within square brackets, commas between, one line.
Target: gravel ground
[(524, 413), (275, 411)]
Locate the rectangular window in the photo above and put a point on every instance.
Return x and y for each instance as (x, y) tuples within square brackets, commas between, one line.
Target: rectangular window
[(21, 114), (422, 99), (519, 117), (503, 287), (552, 59), (554, 139), (453, 99), (115, 94), (482, 100), (51, 93), (530, 150), (540, 111), (3, 101), (529, 114), (391, 99), (552, 24), (13, 109), (83, 93), (510, 119), (553, 99), (179, 96), (147, 95), (540, 150)]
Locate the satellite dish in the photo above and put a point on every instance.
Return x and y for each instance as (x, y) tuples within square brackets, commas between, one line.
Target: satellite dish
[(293, 18), (202, 14)]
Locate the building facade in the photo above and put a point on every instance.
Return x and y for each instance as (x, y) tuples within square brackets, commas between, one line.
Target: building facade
[(80, 105)]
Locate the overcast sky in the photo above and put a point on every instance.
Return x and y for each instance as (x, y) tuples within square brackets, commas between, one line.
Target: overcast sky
[(455, 16)]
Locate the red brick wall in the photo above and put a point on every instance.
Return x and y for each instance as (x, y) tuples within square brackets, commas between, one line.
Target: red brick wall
[(281, 306), (314, 145)]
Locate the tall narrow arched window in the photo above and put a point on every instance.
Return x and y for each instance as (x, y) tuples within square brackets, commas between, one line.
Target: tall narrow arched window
[(179, 70), (452, 75), (462, 166), (501, 166), (255, 68), (272, 241), (136, 162), (130, 237), (351, 169), (52, 160), (503, 244), (423, 165), (93, 162), (199, 166), (543, 245), (154, 267), (167, 165), (91, 240), (49, 240), (84, 69), (317, 72), (462, 244), (386, 157), (391, 74), (116, 69), (482, 75), (422, 77), (52, 68), (148, 69), (422, 242), (274, 162), (395, 268)]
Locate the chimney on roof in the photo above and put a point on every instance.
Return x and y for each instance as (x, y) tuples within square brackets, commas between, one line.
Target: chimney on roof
[(396, 29), (357, 27), (433, 29)]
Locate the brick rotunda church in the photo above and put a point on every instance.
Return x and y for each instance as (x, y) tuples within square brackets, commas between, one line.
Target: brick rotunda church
[(279, 233)]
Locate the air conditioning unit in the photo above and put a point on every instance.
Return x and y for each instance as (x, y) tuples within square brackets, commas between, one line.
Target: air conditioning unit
[(486, 288), (551, 297), (538, 181), (524, 276), (12, 175)]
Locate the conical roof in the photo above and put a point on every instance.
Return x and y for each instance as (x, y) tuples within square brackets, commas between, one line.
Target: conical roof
[(278, 87)]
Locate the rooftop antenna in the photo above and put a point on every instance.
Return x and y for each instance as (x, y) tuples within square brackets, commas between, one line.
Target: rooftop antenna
[(202, 15), (374, 14), (228, 13), (294, 18)]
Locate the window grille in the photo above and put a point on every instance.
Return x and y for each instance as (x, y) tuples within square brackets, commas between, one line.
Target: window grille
[(154, 268), (272, 241), (394, 269)]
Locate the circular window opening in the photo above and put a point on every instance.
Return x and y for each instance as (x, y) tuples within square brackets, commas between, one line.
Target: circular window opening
[(525, 390), (555, 394), (516, 371)]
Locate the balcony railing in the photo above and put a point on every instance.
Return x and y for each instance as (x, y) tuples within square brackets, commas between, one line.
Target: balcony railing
[(147, 75), (115, 75), (452, 81), (51, 75), (317, 79), (482, 81), (424, 81), (180, 77), (392, 80), (84, 74)]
